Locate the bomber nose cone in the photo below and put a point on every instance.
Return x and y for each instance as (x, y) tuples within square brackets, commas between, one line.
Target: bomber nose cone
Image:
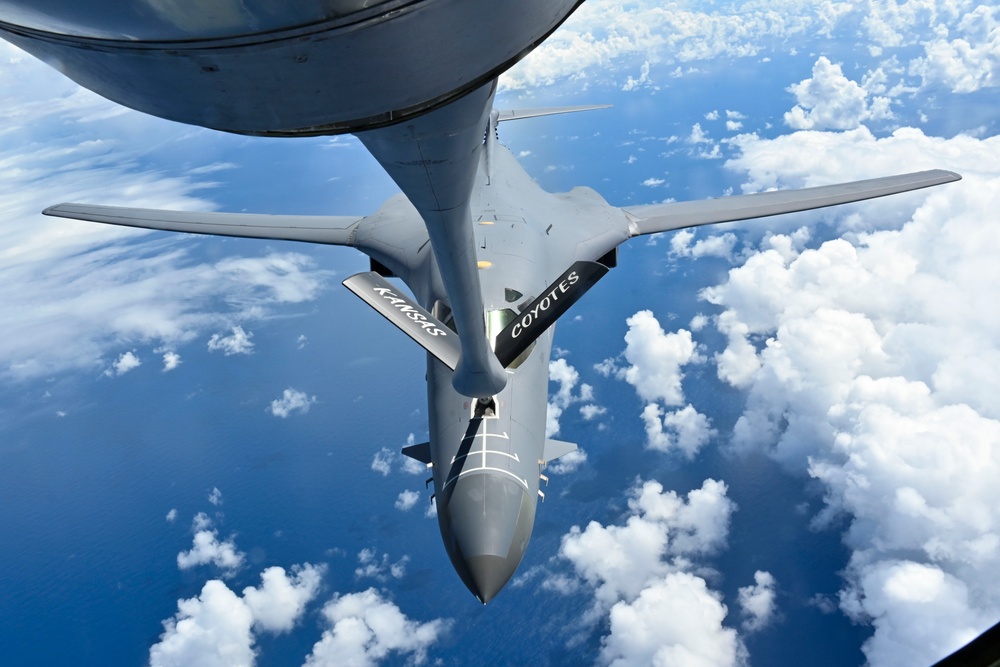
[(486, 523), (488, 574)]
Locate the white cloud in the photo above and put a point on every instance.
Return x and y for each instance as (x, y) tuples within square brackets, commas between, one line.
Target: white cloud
[(382, 461), (871, 363), (831, 101), (967, 62), (126, 361), (653, 182), (590, 411), (632, 83), (655, 359), (920, 612), (698, 135), (215, 497), (172, 515), (685, 429), (567, 378), (602, 38), (238, 342), (698, 322), (171, 360), (291, 401), (642, 575), (406, 500), (281, 600), (216, 628), (717, 245), (211, 629), (364, 628), (81, 290), (757, 602), (382, 569), (675, 620), (567, 463), (207, 548), (618, 561)]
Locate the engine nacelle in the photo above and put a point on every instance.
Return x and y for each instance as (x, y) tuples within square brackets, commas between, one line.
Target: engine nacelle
[(278, 68)]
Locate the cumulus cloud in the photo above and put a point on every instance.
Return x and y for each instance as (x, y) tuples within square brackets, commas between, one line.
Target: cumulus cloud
[(282, 598), (567, 378), (757, 602), (171, 360), (385, 459), (830, 101), (655, 359), (654, 366), (676, 620), (870, 365), (642, 574), (126, 361), (567, 463), (717, 245), (364, 628), (291, 401), (382, 461), (965, 58), (406, 500), (920, 612), (211, 629), (601, 38), (238, 342), (369, 565), (217, 627), (207, 549), (685, 429)]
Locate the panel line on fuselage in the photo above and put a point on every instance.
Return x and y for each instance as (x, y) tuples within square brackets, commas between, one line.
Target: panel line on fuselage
[(483, 451), (521, 480)]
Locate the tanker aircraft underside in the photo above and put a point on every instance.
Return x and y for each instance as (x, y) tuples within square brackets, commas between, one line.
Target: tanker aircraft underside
[(490, 259)]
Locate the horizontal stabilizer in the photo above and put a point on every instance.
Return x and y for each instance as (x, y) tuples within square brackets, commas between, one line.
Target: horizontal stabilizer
[(542, 313), (678, 215), (406, 314), (421, 452), (331, 230), (520, 114), (556, 448)]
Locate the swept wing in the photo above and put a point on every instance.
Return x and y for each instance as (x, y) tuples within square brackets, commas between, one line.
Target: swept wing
[(678, 215), (331, 230)]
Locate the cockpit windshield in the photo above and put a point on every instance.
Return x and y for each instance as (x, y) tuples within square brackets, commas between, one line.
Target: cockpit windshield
[(497, 321)]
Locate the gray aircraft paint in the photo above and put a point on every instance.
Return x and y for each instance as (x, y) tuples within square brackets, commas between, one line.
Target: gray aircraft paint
[(473, 236), (486, 468)]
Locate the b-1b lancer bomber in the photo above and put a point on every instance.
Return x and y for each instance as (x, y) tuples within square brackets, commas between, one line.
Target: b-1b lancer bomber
[(490, 259)]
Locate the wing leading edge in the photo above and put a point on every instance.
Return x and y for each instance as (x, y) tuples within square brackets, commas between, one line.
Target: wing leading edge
[(656, 218), (330, 230)]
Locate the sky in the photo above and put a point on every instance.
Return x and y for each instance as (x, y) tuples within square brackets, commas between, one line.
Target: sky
[(788, 436)]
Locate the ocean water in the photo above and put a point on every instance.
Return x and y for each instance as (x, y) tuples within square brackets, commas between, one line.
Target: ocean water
[(88, 560)]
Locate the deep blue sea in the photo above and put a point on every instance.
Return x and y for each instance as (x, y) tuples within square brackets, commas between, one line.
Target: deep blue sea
[(88, 566), (89, 560)]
